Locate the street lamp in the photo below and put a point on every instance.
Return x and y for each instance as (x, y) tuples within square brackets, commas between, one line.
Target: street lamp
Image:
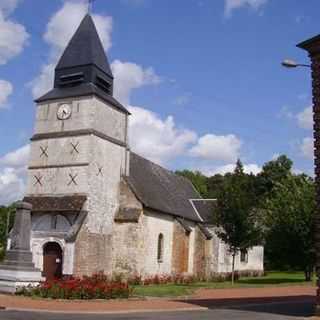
[(288, 63)]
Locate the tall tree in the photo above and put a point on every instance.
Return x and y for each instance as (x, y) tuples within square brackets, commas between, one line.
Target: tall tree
[(236, 214), (289, 216), (197, 179), (273, 172)]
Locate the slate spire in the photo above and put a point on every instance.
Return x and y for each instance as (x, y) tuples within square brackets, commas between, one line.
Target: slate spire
[(85, 48), (83, 68)]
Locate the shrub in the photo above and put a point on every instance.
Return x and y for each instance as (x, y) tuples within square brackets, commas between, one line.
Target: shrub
[(98, 286)]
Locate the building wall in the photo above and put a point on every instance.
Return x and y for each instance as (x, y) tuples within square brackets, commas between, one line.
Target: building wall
[(37, 244), (87, 113), (154, 224), (129, 248), (180, 249), (254, 263), (92, 253), (97, 167)]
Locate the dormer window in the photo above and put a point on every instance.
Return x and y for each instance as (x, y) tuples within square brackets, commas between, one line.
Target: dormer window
[(71, 79)]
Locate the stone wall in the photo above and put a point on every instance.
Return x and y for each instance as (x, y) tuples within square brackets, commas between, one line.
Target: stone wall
[(93, 253), (180, 249), (82, 163), (87, 113), (39, 240), (154, 224), (202, 254), (128, 235)]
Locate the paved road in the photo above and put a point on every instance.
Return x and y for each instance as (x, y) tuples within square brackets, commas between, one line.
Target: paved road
[(269, 311)]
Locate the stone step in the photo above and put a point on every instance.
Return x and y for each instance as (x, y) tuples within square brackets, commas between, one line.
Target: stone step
[(17, 264), (17, 267)]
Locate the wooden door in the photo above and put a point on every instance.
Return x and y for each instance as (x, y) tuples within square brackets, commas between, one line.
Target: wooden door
[(52, 261)]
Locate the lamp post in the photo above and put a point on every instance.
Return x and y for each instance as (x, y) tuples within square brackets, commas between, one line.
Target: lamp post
[(312, 46), (288, 63)]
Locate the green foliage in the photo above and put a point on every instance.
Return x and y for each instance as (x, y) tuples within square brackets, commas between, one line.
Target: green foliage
[(290, 207), (275, 205), (273, 172), (236, 214), (6, 223), (198, 180)]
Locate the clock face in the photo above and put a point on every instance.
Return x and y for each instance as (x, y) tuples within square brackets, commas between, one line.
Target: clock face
[(64, 112)]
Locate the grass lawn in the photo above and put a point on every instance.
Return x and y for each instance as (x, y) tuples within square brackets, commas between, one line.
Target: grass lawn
[(270, 280)]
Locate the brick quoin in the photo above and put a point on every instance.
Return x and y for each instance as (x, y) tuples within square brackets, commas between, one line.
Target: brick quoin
[(312, 46)]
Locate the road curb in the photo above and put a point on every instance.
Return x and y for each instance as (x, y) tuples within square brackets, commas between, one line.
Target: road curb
[(106, 312)]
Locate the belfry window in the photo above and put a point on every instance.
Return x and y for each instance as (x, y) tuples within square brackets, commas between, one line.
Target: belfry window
[(160, 248)]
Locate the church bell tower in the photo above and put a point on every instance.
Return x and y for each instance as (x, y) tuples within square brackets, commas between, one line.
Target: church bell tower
[(79, 152)]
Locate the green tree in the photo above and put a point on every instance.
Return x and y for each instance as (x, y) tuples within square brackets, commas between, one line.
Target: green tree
[(273, 172), (290, 209), (6, 223), (197, 179), (236, 214)]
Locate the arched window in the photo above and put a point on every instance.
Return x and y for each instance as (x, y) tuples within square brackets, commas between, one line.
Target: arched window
[(160, 248)]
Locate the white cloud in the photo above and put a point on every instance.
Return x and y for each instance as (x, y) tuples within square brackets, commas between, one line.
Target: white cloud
[(307, 148), (60, 29), (16, 158), (220, 148), (13, 168), (13, 37), (305, 118), (157, 139), (6, 90), (64, 23), (129, 76), (231, 5), (12, 185), (8, 6), (248, 168)]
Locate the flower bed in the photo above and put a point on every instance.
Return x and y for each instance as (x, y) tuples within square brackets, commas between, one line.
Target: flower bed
[(162, 279), (97, 286)]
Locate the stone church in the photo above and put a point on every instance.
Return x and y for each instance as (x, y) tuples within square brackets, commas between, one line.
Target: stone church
[(97, 206)]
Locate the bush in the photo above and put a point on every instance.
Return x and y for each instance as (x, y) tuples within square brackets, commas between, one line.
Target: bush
[(98, 286)]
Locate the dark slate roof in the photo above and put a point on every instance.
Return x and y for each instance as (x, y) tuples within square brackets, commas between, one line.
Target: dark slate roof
[(161, 189), (205, 231), (85, 48), (184, 225), (205, 208), (85, 89), (57, 204)]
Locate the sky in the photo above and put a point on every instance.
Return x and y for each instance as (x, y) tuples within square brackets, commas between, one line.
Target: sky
[(202, 78)]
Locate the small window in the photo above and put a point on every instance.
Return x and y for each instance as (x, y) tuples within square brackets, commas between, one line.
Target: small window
[(160, 248), (244, 255), (103, 84), (71, 79)]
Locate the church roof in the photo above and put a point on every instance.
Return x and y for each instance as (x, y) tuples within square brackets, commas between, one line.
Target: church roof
[(83, 69), (85, 48), (162, 190), (85, 89)]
